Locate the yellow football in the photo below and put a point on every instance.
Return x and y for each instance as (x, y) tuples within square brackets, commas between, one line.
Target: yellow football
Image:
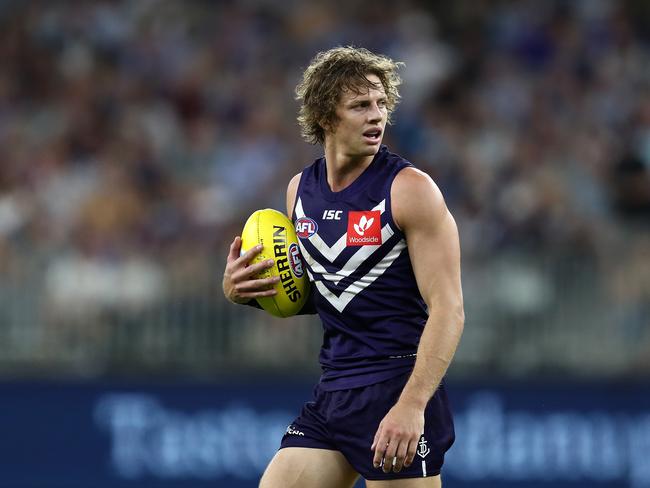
[(274, 231)]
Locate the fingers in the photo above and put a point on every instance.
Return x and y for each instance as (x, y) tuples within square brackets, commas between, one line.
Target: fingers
[(246, 286), (239, 281), (265, 284), (235, 249), (258, 294), (238, 268), (248, 256), (410, 453), (396, 440), (246, 280), (390, 457), (392, 453), (240, 273), (257, 268), (379, 446), (374, 441), (235, 256), (398, 460)]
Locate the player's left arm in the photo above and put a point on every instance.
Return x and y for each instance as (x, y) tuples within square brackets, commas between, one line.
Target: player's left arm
[(420, 211)]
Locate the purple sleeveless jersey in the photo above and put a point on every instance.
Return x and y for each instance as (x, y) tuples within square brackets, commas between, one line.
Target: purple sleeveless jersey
[(364, 287)]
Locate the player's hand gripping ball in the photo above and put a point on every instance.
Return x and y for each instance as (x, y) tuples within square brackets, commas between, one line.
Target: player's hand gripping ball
[(274, 231)]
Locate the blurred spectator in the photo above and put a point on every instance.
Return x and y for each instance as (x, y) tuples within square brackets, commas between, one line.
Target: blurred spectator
[(137, 136)]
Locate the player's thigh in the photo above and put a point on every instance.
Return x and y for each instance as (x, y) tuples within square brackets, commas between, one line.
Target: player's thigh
[(430, 482), (302, 467)]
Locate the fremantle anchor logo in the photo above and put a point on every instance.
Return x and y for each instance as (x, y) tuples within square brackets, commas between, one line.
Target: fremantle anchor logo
[(423, 450)]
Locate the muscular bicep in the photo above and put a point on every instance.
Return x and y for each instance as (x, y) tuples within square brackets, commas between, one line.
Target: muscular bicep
[(435, 256), (432, 240)]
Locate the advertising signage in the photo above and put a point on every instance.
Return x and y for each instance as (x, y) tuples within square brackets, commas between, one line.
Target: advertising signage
[(112, 435)]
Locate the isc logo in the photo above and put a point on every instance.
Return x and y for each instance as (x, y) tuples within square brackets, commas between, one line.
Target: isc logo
[(306, 227), (332, 214)]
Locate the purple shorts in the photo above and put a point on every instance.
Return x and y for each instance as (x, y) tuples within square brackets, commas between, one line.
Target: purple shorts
[(346, 421)]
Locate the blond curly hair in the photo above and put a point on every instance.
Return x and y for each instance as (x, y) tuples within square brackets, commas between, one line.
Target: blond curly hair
[(329, 74)]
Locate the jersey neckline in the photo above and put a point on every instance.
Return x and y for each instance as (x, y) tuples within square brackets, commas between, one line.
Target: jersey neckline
[(357, 184)]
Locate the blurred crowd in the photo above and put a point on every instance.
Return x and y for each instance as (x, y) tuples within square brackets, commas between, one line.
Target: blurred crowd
[(137, 136)]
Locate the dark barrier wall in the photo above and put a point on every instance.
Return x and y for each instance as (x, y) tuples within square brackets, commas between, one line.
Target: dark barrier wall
[(116, 435)]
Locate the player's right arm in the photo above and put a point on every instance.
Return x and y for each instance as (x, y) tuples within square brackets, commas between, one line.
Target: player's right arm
[(239, 284)]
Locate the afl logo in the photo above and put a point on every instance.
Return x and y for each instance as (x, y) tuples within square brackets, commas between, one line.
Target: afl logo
[(306, 227), (295, 260)]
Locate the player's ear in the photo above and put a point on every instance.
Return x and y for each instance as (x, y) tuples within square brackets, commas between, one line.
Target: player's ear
[(325, 126), (328, 126)]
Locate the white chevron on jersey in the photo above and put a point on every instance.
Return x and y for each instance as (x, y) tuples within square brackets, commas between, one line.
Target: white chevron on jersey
[(341, 301), (358, 258), (353, 263), (331, 253)]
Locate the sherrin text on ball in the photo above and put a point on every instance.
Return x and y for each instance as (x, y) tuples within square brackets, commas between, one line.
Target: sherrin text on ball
[(275, 232)]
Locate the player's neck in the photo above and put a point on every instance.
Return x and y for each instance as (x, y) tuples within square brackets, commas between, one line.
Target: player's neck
[(343, 169)]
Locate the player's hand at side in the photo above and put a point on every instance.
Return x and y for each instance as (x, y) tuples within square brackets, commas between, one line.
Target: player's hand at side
[(397, 437), (239, 282)]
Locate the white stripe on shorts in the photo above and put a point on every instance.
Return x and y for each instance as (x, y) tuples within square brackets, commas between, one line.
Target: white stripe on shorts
[(424, 468)]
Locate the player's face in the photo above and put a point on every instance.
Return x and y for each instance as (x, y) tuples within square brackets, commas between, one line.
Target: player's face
[(362, 120)]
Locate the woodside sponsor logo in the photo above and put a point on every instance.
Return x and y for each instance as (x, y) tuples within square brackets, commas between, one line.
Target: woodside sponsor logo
[(364, 228)]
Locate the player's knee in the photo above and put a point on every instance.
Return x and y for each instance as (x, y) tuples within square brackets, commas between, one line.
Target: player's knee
[(277, 476), (270, 480), (265, 482)]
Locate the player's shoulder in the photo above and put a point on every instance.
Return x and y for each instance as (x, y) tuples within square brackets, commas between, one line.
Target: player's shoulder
[(406, 171), (292, 191), (294, 181), (414, 195), (414, 183)]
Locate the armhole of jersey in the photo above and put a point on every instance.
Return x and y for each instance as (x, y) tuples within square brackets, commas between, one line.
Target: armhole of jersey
[(389, 201), (292, 217)]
